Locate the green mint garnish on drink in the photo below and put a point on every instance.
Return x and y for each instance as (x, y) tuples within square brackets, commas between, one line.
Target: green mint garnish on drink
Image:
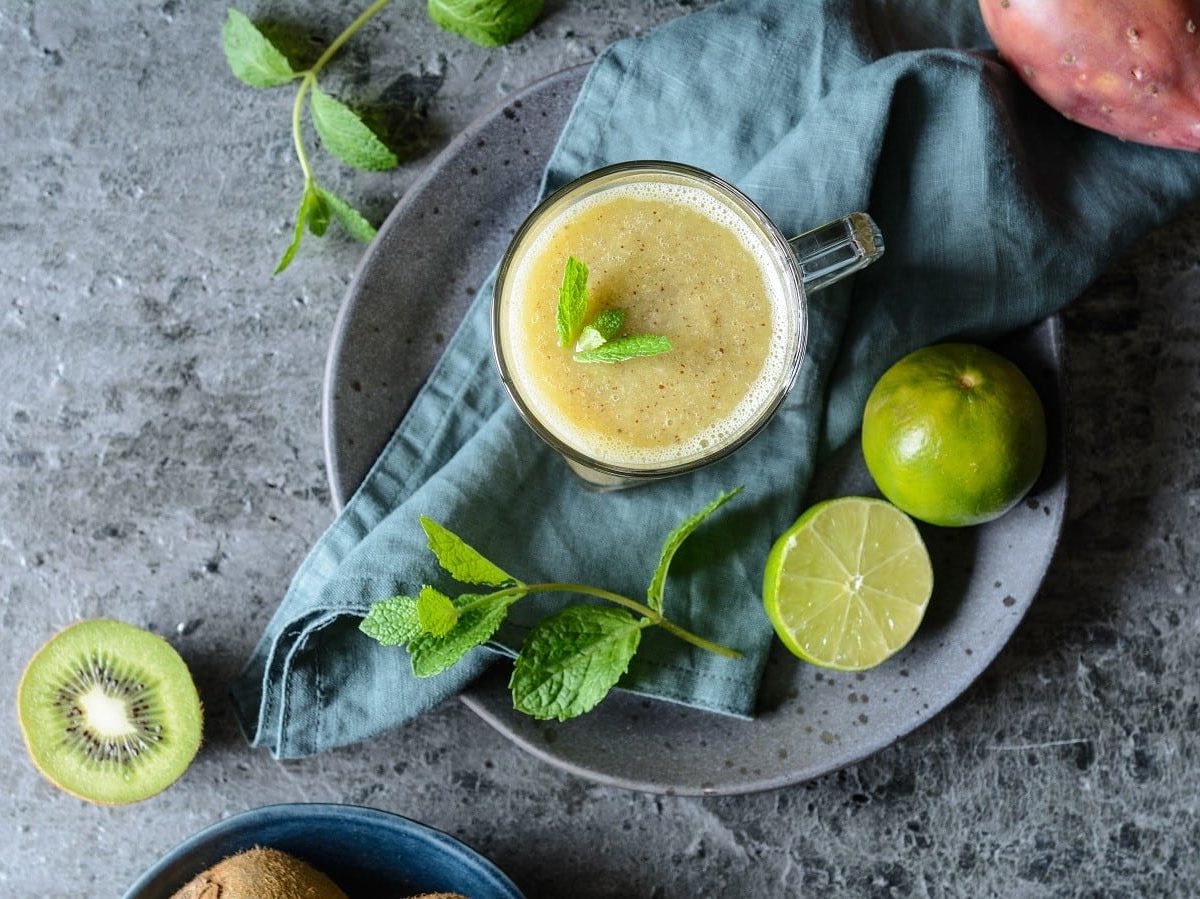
[(572, 302), (608, 324), (604, 328), (569, 661), (624, 348), (599, 340)]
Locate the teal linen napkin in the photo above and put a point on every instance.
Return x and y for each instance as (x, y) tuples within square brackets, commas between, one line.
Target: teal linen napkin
[(995, 210)]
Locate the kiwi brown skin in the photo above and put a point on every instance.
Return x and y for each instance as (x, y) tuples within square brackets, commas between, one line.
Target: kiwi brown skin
[(144, 676), (260, 873)]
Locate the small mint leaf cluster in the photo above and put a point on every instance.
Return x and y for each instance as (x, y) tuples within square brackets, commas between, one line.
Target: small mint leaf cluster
[(569, 661), (597, 341), (256, 61)]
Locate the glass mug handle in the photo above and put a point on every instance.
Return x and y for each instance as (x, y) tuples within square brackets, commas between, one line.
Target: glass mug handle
[(837, 249)]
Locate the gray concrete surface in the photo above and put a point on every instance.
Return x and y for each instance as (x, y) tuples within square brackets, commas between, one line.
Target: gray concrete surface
[(160, 461)]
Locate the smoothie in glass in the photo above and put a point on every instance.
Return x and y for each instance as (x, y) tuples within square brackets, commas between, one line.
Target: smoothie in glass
[(683, 261)]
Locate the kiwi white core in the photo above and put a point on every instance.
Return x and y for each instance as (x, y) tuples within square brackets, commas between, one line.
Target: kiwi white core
[(107, 715)]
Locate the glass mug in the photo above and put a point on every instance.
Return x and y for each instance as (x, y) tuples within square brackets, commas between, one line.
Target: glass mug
[(544, 381)]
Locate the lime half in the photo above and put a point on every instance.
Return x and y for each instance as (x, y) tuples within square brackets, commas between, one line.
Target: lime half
[(847, 585)]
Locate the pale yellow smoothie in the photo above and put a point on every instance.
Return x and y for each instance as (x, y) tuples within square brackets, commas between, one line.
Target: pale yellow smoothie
[(681, 263)]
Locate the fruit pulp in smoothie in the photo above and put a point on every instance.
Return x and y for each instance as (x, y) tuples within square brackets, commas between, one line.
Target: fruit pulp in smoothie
[(682, 264)]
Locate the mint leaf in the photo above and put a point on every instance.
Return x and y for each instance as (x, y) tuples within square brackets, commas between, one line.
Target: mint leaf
[(654, 593), (434, 654), (572, 301), (346, 136), (609, 323), (308, 201), (489, 23), (435, 612), (318, 213), (604, 327), (349, 217), (463, 562), (251, 57), (570, 661), (626, 348), (393, 622)]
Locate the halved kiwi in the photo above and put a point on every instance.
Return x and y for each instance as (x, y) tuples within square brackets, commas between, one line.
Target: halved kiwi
[(109, 712)]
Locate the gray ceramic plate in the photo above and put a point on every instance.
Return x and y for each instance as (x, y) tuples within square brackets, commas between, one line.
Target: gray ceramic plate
[(417, 279)]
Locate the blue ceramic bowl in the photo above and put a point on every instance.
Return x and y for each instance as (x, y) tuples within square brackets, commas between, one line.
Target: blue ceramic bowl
[(370, 854)]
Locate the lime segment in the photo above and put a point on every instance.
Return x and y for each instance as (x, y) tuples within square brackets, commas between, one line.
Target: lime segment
[(846, 586)]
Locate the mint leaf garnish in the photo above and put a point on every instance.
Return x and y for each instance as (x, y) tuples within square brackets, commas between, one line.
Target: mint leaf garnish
[(489, 23), (346, 136), (478, 619), (598, 341), (654, 593), (392, 622), (609, 323), (435, 612), (348, 217), (603, 328), (624, 348), (463, 562), (570, 661), (251, 56), (572, 301)]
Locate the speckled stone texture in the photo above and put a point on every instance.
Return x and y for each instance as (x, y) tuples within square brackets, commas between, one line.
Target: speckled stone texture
[(160, 461)]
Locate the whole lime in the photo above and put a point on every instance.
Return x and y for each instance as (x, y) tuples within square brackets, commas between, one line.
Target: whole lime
[(954, 434)]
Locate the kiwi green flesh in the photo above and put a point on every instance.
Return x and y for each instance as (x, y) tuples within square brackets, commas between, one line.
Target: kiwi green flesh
[(261, 873), (109, 712)]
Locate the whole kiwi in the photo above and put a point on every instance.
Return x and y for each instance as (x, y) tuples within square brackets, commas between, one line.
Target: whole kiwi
[(109, 712), (260, 873)]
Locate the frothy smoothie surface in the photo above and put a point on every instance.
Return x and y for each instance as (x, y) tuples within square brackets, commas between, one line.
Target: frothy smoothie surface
[(683, 265)]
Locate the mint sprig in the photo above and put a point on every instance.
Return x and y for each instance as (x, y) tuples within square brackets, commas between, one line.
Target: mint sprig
[(259, 63), (623, 348), (597, 341), (256, 61), (569, 661)]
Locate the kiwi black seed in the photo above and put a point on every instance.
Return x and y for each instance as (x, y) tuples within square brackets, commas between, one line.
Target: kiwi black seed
[(109, 712)]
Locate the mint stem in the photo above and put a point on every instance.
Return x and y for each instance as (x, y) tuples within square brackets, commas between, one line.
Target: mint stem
[(310, 79), (633, 605), (297, 134)]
